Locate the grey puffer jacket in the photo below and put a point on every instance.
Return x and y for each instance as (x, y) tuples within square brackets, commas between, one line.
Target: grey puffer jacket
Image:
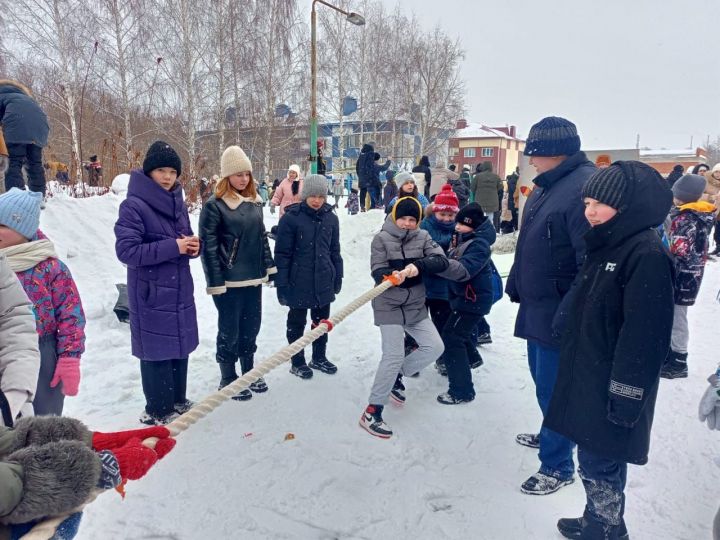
[(393, 249), (19, 353)]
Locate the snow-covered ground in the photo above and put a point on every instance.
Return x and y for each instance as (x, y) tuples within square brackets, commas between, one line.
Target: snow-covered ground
[(449, 472)]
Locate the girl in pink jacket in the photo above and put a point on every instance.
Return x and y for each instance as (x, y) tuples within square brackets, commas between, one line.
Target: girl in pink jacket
[(288, 192), (59, 316)]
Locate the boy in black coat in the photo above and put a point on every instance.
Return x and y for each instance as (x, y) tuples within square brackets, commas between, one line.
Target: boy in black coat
[(617, 335), (469, 299), (310, 269)]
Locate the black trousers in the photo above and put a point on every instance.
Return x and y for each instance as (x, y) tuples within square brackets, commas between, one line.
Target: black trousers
[(716, 234), (239, 317), (460, 347), (164, 383), (296, 322), (363, 194), (31, 155)]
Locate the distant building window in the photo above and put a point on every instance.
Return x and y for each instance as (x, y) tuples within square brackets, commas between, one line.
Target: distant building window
[(486, 152), (469, 152)]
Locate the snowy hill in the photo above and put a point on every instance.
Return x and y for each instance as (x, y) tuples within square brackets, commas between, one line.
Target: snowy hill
[(449, 472)]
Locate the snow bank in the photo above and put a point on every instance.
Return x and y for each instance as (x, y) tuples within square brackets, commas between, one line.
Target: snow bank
[(450, 472)]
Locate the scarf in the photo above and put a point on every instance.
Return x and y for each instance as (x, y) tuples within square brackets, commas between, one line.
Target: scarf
[(25, 256)]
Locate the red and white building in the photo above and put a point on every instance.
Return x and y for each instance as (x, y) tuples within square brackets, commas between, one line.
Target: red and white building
[(475, 143)]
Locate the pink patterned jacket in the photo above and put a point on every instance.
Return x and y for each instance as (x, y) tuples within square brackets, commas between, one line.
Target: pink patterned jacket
[(56, 304)]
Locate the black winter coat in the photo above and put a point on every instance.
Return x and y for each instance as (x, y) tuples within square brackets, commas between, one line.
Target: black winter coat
[(307, 255), (235, 250), (550, 249), (512, 181), (476, 294), (618, 331), (22, 119), (424, 167)]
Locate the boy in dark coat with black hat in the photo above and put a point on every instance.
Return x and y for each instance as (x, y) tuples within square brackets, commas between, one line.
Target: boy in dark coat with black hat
[(618, 333), (470, 299), (310, 269)]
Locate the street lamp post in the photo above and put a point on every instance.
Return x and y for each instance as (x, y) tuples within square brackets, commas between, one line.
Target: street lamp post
[(353, 18)]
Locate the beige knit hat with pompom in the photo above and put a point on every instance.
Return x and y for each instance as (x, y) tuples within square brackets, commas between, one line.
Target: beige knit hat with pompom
[(233, 161)]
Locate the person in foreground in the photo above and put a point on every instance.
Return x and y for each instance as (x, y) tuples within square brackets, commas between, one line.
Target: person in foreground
[(616, 339)]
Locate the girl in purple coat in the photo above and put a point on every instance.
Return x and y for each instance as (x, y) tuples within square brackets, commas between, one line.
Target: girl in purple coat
[(155, 241)]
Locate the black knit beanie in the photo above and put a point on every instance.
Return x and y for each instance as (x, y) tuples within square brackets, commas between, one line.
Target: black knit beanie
[(607, 186), (407, 207), (471, 215), (161, 154)]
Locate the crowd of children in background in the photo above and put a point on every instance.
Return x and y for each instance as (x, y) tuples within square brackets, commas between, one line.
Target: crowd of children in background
[(436, 247)]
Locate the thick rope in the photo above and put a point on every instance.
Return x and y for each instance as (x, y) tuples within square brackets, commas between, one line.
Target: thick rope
[(46, 529)]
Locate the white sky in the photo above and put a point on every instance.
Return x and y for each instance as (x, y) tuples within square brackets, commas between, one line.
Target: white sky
[(617, 68)]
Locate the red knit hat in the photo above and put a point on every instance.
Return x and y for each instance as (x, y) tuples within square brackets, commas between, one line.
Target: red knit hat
[(446, 200)]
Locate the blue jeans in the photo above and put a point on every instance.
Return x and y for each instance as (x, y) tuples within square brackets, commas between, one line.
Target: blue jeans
[(555, 450), (604, 480)]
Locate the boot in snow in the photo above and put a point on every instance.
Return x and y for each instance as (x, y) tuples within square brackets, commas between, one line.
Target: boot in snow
[(573, 528), (155, 420), (183, 407), (542, 484), (675, 366), (302, 371), (259, 386), (531, 440), (372, 422), (484, 339), (324, 365), (448, 399), (441, 368), (397, 394), (229, 375)]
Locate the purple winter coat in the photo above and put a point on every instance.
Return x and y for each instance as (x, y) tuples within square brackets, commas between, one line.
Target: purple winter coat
[(163, 322)]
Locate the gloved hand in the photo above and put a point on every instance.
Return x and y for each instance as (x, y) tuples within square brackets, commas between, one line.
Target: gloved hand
[(272, 208), (709, 409), (117, 439), (515, 299), (338, 286), (282, 294), (135, 459), (67, 371)]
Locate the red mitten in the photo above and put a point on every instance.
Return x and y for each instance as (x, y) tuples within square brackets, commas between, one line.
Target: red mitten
[(110, 441), (135, 459), (163, 447)]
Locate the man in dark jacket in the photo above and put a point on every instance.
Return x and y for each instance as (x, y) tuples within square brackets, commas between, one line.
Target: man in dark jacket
[(26, 129), (620, 317), (549, 252), (485, 186), (675, 175), (367, 170), (512, 181)]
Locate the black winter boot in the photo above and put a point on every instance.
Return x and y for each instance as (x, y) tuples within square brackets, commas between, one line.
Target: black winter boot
[(227, 376), (675, 366), (573, 528)]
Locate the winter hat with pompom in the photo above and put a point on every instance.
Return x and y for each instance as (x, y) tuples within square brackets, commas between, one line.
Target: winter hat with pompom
[(161, 154), (234, 160), (446, 200), (20, 211), (315, 185)]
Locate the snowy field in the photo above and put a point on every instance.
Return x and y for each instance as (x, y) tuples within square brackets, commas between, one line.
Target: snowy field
[(449, 472)]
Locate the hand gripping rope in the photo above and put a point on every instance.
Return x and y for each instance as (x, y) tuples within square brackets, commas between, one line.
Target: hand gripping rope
[(46, 529)]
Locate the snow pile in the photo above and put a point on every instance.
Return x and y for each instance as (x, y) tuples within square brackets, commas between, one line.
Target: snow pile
[(120, 184), (449, 472)]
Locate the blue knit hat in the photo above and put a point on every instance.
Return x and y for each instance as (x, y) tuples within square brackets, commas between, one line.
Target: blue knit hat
[(20, 211), (552, 136)]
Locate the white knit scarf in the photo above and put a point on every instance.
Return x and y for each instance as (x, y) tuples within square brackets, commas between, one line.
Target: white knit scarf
[(24, 256)]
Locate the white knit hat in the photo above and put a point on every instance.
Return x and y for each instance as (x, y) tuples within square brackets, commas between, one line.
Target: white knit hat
[(233, 161), (716, 168), (295, 168)]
